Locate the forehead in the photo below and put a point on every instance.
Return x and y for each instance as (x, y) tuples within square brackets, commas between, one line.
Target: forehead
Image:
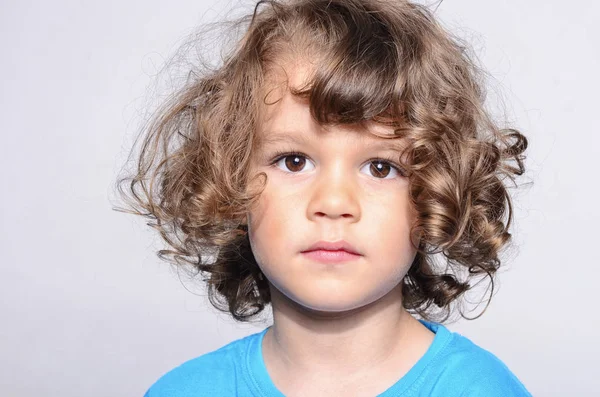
[(285, 117), (369, 136)]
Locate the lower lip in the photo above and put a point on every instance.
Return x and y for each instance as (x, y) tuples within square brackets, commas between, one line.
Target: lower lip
[(331, 256)]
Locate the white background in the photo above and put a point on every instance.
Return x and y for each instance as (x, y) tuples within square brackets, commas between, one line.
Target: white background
[(88, 310)]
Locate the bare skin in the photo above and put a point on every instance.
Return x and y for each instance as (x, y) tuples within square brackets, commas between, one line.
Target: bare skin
[(358, 353), (338, 330)]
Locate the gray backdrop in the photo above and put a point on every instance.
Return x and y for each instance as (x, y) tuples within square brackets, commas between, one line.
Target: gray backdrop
[(87, 308)]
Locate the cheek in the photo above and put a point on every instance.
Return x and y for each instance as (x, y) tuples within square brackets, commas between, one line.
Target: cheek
[(390, 224), (269, 225)]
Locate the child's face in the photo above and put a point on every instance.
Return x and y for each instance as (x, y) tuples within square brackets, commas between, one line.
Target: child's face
[(331, 190)]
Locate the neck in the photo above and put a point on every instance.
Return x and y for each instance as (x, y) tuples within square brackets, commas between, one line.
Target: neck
[(362, 340)]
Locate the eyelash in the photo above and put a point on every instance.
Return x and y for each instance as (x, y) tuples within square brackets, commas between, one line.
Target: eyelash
[(283, 154)]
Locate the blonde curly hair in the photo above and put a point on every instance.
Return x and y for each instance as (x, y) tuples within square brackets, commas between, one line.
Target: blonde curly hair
[(384, 61)]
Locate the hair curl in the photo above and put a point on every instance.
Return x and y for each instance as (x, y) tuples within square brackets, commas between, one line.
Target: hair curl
[(388, 61)]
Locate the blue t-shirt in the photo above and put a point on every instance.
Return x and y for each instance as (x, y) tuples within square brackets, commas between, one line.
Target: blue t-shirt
[(452, 366)]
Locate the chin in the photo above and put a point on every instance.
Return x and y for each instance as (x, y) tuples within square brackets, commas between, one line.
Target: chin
[(326, 300)]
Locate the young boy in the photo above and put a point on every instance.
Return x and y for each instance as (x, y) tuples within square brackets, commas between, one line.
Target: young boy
[(337, 149)]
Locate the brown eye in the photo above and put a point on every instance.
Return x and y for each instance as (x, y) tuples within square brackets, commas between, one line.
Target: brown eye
[(294, 163), (381, 169)]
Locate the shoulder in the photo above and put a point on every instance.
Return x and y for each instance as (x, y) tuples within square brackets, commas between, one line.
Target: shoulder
[(213, 373), (474, 371)]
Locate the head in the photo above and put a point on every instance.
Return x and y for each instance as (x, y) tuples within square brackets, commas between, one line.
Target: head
[(392, 151), (327, 183)]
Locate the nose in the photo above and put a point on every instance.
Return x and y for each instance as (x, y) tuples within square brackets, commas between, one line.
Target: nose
[(335, 196)]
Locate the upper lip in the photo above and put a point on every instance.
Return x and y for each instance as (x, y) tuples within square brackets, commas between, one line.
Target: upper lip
[(333, 246)]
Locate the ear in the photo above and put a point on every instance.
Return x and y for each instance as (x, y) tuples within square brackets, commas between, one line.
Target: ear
[(243, 225)]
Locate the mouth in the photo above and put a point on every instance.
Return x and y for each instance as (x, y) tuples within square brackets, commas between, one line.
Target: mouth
[(325, 256), (332, 252)]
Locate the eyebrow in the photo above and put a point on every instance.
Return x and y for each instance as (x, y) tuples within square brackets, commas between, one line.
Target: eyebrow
[(300, 138), (272, 138)]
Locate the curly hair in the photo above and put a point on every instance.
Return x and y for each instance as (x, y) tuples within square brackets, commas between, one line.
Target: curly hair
[(382, 61)]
